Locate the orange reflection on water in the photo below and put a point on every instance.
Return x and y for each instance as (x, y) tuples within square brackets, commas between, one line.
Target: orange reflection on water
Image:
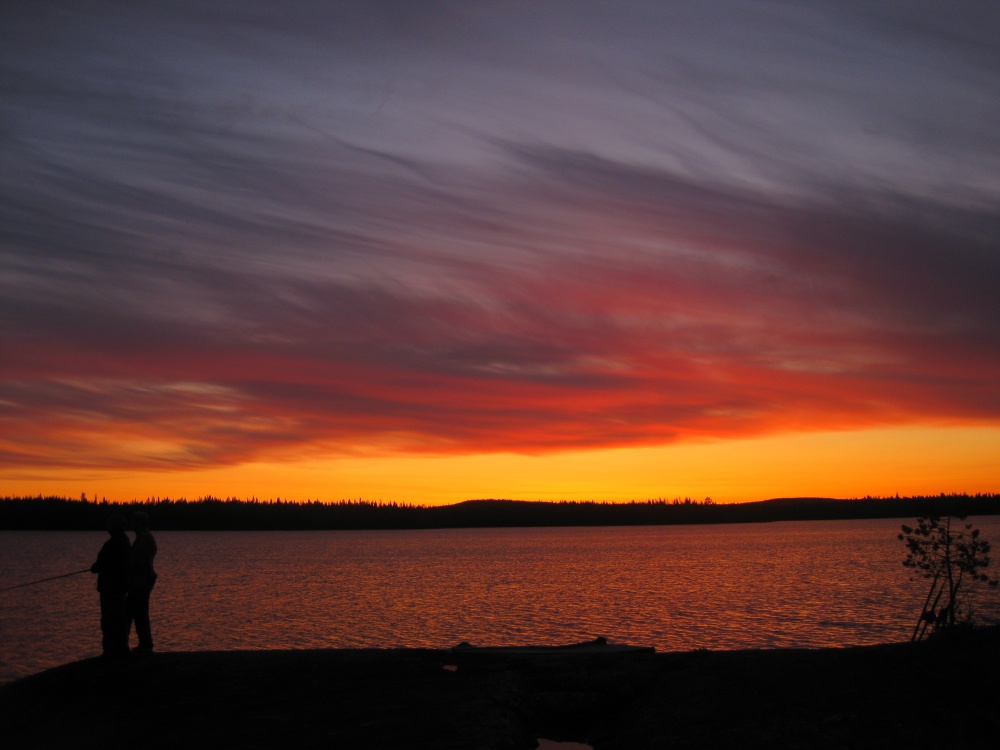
[(789, 584)]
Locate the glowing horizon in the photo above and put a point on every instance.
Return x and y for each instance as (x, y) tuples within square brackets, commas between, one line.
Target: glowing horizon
[(430, 254), (882, 462)]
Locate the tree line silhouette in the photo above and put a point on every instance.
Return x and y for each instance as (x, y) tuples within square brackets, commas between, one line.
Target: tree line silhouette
[(215, 514)]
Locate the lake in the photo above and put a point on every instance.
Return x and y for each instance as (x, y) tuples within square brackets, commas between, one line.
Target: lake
[(678, 588)]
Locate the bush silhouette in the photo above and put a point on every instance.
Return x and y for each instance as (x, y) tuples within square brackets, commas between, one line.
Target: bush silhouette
[(950, 554)]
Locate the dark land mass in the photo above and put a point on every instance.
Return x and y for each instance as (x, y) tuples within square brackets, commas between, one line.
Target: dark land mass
[(41, 513), (935, 694)]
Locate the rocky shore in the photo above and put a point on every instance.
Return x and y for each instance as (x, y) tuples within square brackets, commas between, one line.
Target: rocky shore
[(930, 695)]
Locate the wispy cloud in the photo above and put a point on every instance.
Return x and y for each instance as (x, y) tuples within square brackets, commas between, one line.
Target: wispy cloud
[(236, 234)]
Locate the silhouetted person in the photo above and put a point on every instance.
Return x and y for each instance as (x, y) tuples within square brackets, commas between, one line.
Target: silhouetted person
[(142, 578), (112, 568)]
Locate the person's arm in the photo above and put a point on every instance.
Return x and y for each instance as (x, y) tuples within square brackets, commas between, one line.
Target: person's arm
[(98, 565)]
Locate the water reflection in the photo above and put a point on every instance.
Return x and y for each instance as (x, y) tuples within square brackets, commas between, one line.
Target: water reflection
[(676, 588)]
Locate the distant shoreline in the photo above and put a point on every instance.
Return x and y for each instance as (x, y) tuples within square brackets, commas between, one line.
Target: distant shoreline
[(213, 514), (865, 697)]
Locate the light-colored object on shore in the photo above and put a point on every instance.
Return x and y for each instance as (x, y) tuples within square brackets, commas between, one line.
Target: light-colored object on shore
[(544, 744)]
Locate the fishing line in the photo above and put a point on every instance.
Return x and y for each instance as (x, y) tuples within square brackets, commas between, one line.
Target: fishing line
[(43, 580)]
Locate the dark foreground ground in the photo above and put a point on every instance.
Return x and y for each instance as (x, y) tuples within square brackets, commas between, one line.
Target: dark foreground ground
[(929, 695)]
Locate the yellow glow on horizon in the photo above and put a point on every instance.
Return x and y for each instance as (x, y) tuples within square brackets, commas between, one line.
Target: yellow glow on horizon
[(907, 460)]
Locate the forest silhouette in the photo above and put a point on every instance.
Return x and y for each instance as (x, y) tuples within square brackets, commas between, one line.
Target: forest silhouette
[(210, 513)]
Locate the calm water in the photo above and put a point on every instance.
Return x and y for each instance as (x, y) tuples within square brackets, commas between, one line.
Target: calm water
[(804, 584)]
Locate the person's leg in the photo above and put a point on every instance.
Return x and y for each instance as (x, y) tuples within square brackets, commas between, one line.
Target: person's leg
[(107, 625), (139, 614), (114, 636)]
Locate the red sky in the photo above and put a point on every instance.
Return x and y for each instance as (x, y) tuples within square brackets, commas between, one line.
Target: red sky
[(469, 250)]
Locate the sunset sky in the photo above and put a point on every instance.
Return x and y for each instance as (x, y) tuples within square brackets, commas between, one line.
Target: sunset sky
[(432, 251)]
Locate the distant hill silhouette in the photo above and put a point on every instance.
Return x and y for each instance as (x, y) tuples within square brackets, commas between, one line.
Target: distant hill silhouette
[(209, 513)]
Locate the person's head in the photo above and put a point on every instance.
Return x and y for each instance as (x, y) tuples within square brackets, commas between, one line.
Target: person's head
[(140, 521), (116, 523)]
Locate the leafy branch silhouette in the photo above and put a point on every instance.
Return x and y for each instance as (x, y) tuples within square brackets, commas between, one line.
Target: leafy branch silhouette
[(950, 555)]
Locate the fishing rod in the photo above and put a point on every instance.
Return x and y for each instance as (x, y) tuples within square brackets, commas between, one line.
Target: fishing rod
[(43, 580)]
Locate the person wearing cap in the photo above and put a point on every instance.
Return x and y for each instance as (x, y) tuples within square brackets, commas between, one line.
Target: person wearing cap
[(112, 569), (142, 577)]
